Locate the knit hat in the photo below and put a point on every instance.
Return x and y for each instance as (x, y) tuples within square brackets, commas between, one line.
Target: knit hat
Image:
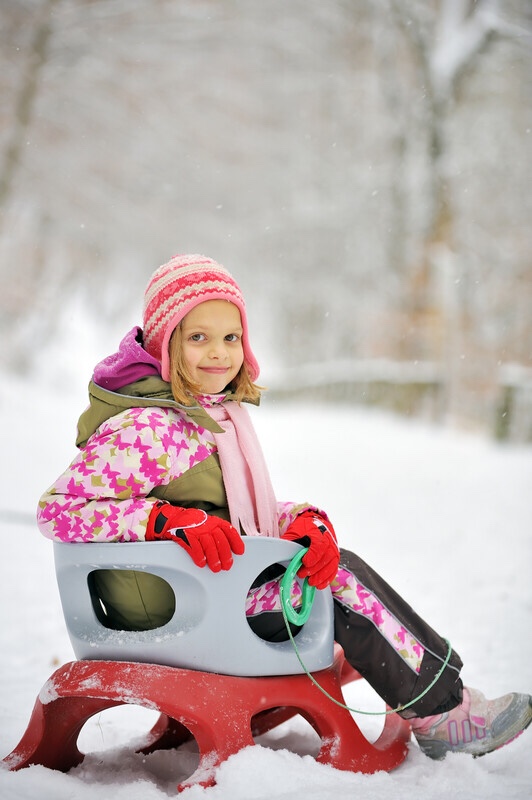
[(175, 289)]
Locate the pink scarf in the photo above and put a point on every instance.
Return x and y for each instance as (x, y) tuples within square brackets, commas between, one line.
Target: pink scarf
[(249, 491)]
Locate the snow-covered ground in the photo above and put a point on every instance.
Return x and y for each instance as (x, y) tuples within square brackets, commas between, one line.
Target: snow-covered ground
[(445, 517)]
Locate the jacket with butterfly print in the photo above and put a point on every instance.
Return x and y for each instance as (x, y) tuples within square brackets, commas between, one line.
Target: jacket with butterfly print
[(137, 445)]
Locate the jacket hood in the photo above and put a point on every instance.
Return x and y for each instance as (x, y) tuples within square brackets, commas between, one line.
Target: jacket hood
[(129, 364)]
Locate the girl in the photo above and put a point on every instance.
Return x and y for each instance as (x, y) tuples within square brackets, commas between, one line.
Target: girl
[(167, 451)]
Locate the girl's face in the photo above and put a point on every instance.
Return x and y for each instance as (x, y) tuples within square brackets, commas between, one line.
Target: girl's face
[(211, 336)]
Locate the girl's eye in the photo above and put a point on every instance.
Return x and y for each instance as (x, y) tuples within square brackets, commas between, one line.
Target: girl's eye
[(232, 337), (197, 337)]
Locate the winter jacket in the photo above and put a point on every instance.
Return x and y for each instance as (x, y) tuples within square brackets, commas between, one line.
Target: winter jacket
[(137, 445)]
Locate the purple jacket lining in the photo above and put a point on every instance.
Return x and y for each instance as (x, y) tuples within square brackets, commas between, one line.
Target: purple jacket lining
[(129, 364)]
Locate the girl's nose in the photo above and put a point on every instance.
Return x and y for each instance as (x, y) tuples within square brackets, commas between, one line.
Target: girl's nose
[(217, 350)]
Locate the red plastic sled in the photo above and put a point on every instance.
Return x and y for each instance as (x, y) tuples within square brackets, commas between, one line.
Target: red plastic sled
[(221, 712)]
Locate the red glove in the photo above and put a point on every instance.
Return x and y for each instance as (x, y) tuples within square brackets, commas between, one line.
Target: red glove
[(207, 539), (320, 563)]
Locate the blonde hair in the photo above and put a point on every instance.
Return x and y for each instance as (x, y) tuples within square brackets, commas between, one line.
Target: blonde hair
[(184, 387)]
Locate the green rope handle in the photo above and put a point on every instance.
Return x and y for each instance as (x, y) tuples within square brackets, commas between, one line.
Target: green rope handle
[(308, 592), (300, 617)]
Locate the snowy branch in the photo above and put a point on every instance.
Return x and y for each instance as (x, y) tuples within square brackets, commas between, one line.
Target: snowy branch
[(459, 38)]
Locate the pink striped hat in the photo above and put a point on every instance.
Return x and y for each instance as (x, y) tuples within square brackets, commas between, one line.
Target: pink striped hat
[(174, 290)]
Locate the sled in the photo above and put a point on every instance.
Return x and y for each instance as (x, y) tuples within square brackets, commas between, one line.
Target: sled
[(221, 685)]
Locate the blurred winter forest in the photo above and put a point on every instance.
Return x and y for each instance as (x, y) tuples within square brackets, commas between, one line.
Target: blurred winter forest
[(362, 167)]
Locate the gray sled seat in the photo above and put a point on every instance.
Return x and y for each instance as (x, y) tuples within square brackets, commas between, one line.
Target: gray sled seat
[(208, 630)]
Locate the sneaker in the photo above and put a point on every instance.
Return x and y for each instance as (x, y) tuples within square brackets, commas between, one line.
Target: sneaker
[(477, 726)]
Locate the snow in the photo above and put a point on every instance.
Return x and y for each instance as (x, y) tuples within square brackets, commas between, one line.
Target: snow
[(445, 516)]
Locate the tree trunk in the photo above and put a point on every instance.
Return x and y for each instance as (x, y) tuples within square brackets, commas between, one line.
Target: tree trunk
[(25, 101)]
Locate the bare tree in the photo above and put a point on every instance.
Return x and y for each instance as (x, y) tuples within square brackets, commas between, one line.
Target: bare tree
[(21, 116), (447, 41)]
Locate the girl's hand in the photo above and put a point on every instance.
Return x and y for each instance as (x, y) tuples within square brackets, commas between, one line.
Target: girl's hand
[(207, 539), (320, 563)]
